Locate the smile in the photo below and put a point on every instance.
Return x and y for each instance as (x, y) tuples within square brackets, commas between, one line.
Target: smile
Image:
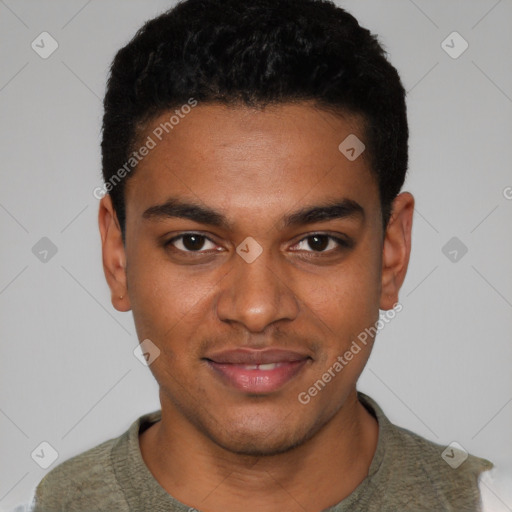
[(261, 378)]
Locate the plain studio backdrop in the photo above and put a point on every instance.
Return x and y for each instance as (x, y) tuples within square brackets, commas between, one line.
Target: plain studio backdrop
[(69, 376)]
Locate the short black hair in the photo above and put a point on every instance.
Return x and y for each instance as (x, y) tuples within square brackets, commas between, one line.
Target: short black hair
[(256, 53)]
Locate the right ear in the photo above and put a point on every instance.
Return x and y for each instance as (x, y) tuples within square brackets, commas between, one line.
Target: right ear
[(113, 252)]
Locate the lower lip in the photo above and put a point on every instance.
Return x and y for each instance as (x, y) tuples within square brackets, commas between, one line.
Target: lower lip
[(258, 381)]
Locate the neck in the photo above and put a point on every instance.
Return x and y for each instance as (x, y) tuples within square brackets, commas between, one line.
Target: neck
[(313, 476)]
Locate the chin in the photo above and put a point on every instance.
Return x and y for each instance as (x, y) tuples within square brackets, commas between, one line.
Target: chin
[(256, 446), (256, 441)]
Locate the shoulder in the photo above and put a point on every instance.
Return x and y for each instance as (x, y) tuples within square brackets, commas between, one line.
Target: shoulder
[(440, 463), (447, 476), (85, 481), (419, 474)]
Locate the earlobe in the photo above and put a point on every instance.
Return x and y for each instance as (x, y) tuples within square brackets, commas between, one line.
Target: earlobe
[(113, 254), (396, 249)]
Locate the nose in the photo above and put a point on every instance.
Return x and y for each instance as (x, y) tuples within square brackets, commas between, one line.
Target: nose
[(256, 294)]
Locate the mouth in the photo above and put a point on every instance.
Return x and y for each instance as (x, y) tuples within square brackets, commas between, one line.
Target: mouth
[(257, 371)]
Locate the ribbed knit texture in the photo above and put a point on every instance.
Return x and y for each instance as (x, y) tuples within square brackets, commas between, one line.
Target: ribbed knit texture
[(407, 474)]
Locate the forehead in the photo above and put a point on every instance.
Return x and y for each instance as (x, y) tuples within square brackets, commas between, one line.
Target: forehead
[(250, 160)]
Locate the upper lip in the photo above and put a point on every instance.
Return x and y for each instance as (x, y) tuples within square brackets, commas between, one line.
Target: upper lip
[(253, 356)]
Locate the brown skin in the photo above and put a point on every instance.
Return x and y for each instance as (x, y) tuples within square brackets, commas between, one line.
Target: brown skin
[(217, 448)]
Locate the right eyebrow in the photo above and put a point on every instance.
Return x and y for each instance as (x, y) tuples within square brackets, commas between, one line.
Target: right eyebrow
[(177, 208)]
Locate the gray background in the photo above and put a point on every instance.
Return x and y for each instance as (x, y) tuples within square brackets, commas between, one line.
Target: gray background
[(441, 368)]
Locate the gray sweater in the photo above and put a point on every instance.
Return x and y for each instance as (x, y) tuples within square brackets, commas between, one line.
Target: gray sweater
[(407, 474)]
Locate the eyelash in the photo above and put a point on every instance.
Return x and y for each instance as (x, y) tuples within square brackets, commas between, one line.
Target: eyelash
[(342, 243)]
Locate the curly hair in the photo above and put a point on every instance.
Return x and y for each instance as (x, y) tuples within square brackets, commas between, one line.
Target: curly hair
[(256, 53)]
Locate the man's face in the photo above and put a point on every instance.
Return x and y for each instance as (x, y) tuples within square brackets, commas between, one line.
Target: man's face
[(216, 313)]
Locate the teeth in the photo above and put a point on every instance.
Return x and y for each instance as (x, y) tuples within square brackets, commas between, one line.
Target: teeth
[(268, 366), (251, 367)]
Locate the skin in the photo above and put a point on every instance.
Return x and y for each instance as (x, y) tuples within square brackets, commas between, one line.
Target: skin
[(218, 448)]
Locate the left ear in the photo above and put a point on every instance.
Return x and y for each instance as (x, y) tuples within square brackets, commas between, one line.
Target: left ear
[(396, 249)]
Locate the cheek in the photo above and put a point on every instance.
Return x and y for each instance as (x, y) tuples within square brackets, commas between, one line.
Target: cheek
[(347, 300), (350, 291), (165, 300)]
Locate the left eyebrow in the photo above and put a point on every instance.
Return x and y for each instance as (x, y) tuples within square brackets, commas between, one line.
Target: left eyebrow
[(346, 208), (174, 207)]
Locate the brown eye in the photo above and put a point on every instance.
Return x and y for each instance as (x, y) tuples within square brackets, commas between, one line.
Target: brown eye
[(191, 242), (322, 243), (318, 242)]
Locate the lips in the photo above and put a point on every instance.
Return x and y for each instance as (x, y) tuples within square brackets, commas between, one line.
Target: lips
[(256, 357), (257, 371)]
